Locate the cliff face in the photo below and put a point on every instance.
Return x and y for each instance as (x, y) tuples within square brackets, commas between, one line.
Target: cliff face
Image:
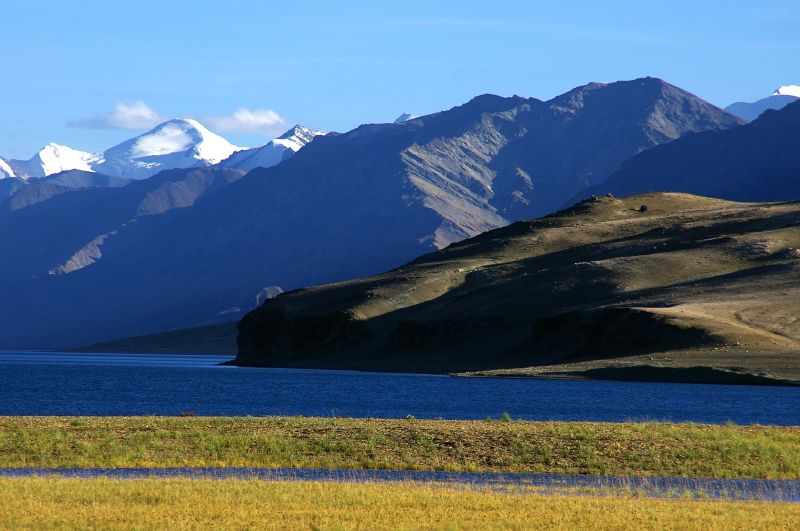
[(685, 282)]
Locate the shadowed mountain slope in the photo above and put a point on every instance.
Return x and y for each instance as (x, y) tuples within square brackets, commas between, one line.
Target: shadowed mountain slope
[(33, 191), (604, 286), (44, 233), (759, 161)]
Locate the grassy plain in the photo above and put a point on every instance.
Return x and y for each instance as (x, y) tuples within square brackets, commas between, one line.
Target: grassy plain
[(238, 504), (517, 446)]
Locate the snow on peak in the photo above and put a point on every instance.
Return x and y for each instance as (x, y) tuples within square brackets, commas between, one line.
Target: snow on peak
[(54, 158), (176, 136), (6, 171), (273, 152), (177, 143), (296, 137), (788, 90), (404, 118)]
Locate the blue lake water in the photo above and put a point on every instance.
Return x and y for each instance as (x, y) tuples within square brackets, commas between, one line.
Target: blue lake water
[(35, 383)]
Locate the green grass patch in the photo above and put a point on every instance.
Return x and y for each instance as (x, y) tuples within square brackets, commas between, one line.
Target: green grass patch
[(537, 447)]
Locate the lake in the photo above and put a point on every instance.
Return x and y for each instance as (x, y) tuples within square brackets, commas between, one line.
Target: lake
[(47, 383)]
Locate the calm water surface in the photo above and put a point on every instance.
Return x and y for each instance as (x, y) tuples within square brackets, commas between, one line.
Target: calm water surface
[(35, 383), (662, 487)]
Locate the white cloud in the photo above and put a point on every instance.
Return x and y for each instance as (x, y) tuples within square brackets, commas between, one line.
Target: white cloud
[(136, 115), (260, 121)]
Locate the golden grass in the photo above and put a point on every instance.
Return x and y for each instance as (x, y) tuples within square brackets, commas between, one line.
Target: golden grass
[(238, 504), (535, 447)]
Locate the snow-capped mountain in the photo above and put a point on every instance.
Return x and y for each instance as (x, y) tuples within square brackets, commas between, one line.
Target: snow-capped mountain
[(54, 158), (6, 171), (178, 143), (273, 152), (779, 99)]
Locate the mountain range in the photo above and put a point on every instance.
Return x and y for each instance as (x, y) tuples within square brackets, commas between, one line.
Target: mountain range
[(708, 285), (177, 143), (181, 143), (202, 245)]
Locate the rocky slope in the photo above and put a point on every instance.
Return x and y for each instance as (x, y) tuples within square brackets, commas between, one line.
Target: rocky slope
[(658, 286)]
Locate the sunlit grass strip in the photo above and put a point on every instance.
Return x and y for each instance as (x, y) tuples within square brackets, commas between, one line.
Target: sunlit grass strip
[(533, 447), (180, 503)]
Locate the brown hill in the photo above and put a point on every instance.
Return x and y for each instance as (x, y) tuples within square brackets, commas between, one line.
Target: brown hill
[(659, 286)]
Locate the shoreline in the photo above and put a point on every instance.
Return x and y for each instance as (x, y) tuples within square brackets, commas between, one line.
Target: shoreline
[(591, 371)]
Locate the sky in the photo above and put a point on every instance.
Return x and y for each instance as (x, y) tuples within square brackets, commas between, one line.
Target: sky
[(90, 74)]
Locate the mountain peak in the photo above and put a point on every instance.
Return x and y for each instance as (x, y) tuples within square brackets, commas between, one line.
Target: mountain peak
[(54, 158), (169, 130), (176, 143), (273, 152), (788, 90), (59, 149), (669, 110), (300, 135), (494, 103), (296, 129), (185, 124)]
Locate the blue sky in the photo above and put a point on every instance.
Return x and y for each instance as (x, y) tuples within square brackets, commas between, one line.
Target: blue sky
[(74, 72)]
